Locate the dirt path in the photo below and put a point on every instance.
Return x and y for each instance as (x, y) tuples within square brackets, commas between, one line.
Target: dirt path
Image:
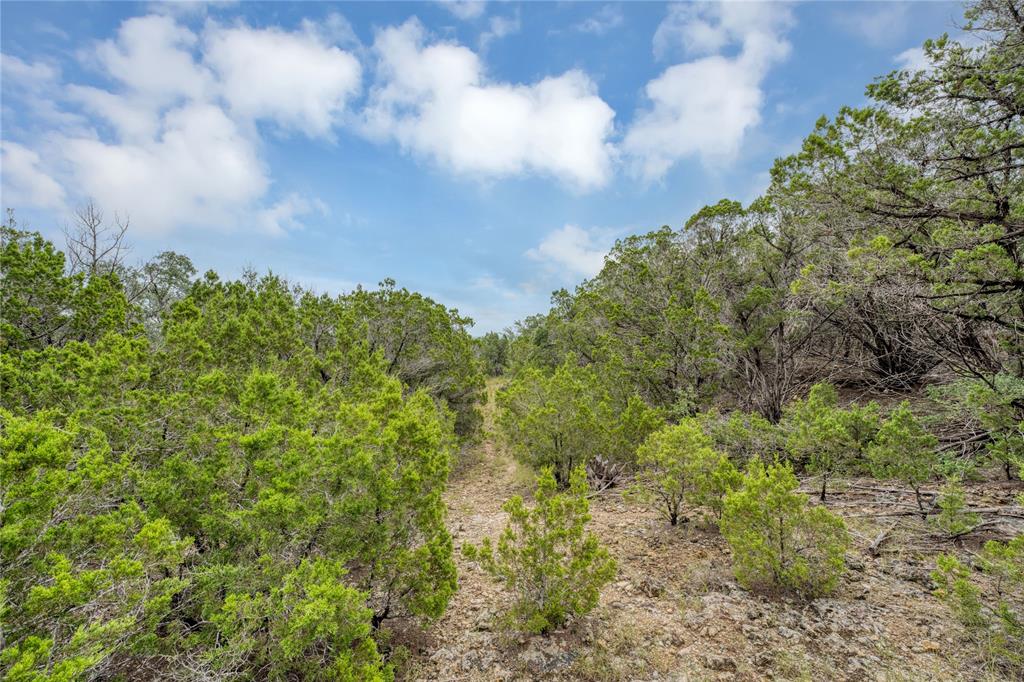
[(675, 612)]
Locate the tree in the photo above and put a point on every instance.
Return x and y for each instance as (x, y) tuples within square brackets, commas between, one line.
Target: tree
[(545, 557), (492, 349), (777, 539), (826, 438), (677, 464), (94, 247), (247, 493), (425, 345), (572, 417), (904, 451), (933, 173), (157, 285)]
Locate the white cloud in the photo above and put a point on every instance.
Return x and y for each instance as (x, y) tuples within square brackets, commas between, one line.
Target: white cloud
[(437, 102), (294, 79), (704, 107), (152, 57), (464, 9), (573, 251), (499, 28), (602, 21), (174, 143), (199, 169), (24, 182), (35, 86), (130, 118), (284, 215), (913, 59)]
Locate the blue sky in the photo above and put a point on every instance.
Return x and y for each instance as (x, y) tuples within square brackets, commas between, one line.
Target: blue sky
[(482, 153)]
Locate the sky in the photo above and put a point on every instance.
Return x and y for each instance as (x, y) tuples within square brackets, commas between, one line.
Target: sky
[(485, 154)]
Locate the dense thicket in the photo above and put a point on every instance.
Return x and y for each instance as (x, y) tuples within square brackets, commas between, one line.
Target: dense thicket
[(247, 489), (886, 255), (865, 316), (206, 479)]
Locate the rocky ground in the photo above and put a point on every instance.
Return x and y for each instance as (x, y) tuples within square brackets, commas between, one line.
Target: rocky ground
[(675, 612)]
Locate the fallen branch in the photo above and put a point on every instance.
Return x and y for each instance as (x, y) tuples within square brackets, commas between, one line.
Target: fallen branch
[(876, 544)]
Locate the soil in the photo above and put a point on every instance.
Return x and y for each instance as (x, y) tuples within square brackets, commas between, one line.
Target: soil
[(675, 611)]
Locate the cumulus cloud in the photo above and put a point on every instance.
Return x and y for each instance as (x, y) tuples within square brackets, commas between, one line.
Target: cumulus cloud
[(152, 57), (573, 251), (175, 140), (24, 182), (705, 106), (436, 101), (294, 79), (198, 169)]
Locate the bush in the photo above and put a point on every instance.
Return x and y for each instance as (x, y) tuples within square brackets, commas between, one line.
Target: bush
[(546, 558), (991, 609), (826, 438), (777, 540), (677, 465), (571, 418), (250, 495), (997, 407), (904, 451), (954, 519), (743, 435)]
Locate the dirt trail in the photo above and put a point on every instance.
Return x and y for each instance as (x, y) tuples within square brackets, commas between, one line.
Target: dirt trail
[(675, 611)]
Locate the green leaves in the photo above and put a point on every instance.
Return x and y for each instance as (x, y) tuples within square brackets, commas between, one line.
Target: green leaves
[(677, 465), (554, 568), (989, 608), (572, 417), (904, 451), (245, 492), (778, 541), (825, 438)]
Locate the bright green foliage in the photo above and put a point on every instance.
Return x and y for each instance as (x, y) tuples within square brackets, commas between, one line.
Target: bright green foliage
[(93, 578), (826, 438), (743, 435), (953, 518), (777, 539), (992, 607), (41, 307), (425, 345), (545, 557), (249, 494), (572, 417), (904, 451), (677, 464)]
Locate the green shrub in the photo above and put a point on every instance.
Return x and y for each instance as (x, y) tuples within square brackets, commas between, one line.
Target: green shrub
[(677, 465), (953, 518), (777, 539), (545, 557), (904, 451), (825, 438), (991, 609), (996, 407), (743, 435), (572, 417)]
